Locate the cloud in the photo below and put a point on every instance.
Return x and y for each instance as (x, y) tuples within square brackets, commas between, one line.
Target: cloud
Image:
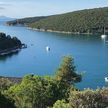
[(3, 5), (2, 8)]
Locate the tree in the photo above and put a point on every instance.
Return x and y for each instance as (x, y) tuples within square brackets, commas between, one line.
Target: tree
[(42, 91), (67, 71), (35, 92), (8, 43)]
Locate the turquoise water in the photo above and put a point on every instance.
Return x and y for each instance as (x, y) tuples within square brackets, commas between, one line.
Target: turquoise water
[(90, 54)]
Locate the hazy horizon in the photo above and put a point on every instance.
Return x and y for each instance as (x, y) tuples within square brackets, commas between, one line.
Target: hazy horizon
[(30, 8)]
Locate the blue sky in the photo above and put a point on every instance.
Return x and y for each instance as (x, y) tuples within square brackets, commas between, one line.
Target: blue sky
[(27, 8)]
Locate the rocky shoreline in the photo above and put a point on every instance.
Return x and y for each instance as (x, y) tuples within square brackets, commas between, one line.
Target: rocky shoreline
[(53, 31), (14, 80), (63, 32)]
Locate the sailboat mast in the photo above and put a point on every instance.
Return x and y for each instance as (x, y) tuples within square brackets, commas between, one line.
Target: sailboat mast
[(104, 30)]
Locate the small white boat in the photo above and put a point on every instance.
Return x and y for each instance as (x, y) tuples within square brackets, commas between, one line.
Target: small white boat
[(106, 79), (103, 36), (47, 48)]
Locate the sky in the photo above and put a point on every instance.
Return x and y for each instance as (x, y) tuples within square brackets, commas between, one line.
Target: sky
[(29, 8)]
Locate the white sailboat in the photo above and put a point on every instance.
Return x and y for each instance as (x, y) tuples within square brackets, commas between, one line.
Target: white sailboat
[(103, 36)]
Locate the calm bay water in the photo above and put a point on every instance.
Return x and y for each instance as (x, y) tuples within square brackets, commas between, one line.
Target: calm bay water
[(90, 54)]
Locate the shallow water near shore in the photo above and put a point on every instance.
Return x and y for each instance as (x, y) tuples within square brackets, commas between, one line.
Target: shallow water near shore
[(89, 51)]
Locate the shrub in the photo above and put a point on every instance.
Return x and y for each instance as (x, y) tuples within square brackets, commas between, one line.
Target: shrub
[(6, 102), (5, 84), (88, 99), (61, 104)]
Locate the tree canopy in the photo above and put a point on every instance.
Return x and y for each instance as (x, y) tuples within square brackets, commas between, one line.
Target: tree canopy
[(67, 71)]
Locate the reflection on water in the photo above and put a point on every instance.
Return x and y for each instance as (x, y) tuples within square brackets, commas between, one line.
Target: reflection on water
[(105, 40), (8, 56)]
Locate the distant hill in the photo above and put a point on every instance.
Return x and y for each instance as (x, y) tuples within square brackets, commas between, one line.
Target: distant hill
[(25, 21), (83, 21), (4, 19)]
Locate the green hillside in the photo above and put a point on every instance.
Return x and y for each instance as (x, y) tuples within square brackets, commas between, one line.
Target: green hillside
[(83, 21)]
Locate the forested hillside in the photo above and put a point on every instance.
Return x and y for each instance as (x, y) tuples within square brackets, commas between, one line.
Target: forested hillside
[(84, 21)]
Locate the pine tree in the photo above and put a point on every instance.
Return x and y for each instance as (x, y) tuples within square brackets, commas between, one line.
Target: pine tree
[(67, 71)]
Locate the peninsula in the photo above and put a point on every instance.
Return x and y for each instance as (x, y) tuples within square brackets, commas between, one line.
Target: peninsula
[(9, 44)]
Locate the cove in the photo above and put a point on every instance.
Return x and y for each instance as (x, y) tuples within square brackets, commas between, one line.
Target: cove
[(89, 51)]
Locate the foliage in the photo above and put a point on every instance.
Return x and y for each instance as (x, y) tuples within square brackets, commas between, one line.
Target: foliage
[(4, 84), (61, 104), (67, 71), (6, 102), (52, 92), (88, 99), (6, 42), (39, 92), (36, 92)]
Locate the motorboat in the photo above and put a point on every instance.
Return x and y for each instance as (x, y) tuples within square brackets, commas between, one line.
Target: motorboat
[(106, 79), (47, 48)]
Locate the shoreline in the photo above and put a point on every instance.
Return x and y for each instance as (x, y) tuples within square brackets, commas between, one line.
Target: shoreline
[(53, 31), (13, 79), (12, 50)]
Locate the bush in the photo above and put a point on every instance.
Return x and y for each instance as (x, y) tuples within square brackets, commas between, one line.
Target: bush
[(88, 99), (6, 102), (5, 84), (37, 92), (61, 104)]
